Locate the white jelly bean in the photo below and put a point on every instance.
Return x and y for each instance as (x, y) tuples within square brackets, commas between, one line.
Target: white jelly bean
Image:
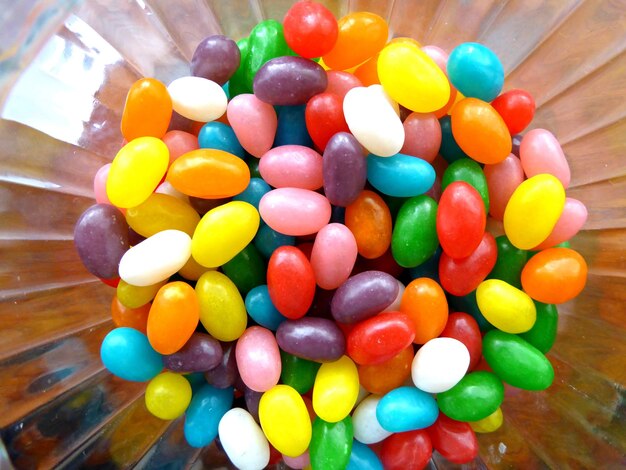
[(367, 429), (197, 98), (439, 365), (243, 440)]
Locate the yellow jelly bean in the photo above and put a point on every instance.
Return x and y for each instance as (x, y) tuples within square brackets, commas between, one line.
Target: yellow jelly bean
[(336, 389), (222, 311), (136, 171), (223, 232), (505, 307), (412, 78), (285, 420), (137, 296), (193, 270), (533, 211), (168, 395), (162, 212), (489, 424)]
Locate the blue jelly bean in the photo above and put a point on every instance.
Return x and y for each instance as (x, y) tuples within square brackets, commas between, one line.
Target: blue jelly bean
[(468, 304), (254, 192), (261, 309), (449, 149), (267, 240), (291, 128), (475, 71), (363, 458), (196, 380), (217, 135), (127, 353), (406, 409), (400, 175), (204, 413)]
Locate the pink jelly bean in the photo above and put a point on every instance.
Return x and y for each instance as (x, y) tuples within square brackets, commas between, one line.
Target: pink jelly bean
[(502, 180), (301, 461), (100, 184), (540, 152), (179, 143), (293, 166), (572, 219), (341, 83), (422, 136), (438, 55), (258, 359), (166, 188), (333, 256), (254, 123), (295, 211)]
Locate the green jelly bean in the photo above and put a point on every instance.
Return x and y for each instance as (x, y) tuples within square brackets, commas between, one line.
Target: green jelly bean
[(510, 262), (237, 84), (543, 332), (466, 169), (253, 164), (247, 269), (468, 304), (331, 444), (516, 361), (449, 149), (266, 42), (475, 397), (298, 373), (414, 238)]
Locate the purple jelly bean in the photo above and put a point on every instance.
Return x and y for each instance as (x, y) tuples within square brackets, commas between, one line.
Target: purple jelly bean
[(101, 239), (517, 141), (364, 295), (202, 352), (216, 58), (225, 374), (289, 81), (315, 339), (344, 169), (252, 401)]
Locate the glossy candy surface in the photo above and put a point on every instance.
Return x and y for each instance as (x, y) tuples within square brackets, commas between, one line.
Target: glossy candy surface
[(216, 58), (384, 377), (243, 440), (258, 359), (254, 123), (502, 180), (422, 136), (310, 29), (200, 353), (414, 238), (425, 303), (454, 440), (315, 339), (162, 212), (475, 71), (369, 219), (222, 310), (400, 175), (406, 409), (290, 281), (295, 211), (293, 166), (517, 108), (406, 451), (333, 256), (147, 110), (344, 169), (380, 338), (197, 98), (336, 389), (540, 152), (440, 364), (127, 354), (261, 309), (204, 413), (331, 444), (367, 429), (506, 307), (475, 397), (324, 118)]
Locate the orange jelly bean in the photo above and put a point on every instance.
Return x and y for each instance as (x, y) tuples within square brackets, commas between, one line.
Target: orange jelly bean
[(147, 111), (384, 377), (425, 302), (173, 318), (555, 275), (361, 36), (369, 220), (368, 72), (136, 318)]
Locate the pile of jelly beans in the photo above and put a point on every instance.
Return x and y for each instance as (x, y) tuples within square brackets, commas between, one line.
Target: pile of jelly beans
[(297, 235)]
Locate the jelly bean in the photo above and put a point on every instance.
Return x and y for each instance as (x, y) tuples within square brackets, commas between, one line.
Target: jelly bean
[(414, 238), (223, 232), (367, 72), (461, 276), (292, 166), (246, 269), (122, 315), (261, 309), (258, 359), (406, 451), (298, 373), (363, 295), (225, 374), (502, 180), (156, 258), (464, 328), (429, 269), (489, 424), (469, 171), (367, 429), (555, 275), (449, 149), (406, 409), (315, 339), (475, 71), (285, 420), (291, 128), (533, 211), (517, 362), (380, 338), (425, 303), (162, 212), (438, 55), (344, 169), (254, 123), (331, 444), (266, 41), (300, 462), (336, 389), (543, 332), (540, 152), (256, 189), (475, 397), (101, 239), (509, 263), (505, 307), (179, 142), (440, 364), (295, 211), (517, 108), (192, 270), (333, 256), (207, 407), (468, 303), (217, 135), (572, 219), (454, 440), (237, 84), (99, 184), (480, 131), (134, 296), (384, 377), (127, 354), (147, 110), (252, 400), (197, 98), (361, 35), (267, 240), (216, 58), (422, 136), (243, 440), (400, 175), (339, 82), (169, 190), (168, 395), (412, 78), (372, 119), (363, 458), (290, 281), (222, 310), (200, 353), (310, 29), (369, 219), (202, 206), (136, 171), (324, 118)]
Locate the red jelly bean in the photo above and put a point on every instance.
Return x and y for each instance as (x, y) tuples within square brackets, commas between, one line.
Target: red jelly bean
[(406, 450), (463, 327), (517, 108), (310, 29), (290, 281), (324, 118), (454, 440), (380, 338)]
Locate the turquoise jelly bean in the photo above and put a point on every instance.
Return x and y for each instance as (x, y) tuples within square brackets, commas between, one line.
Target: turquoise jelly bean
[(468, 304), (261, 309), (400, 175), (196, 380), (204, 413), (475, 71), (254, 192), (406, 409), (226, 89), (267, 240), (363, 458), (127, 353), (217, 135), (449, 149), (292, 127)]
